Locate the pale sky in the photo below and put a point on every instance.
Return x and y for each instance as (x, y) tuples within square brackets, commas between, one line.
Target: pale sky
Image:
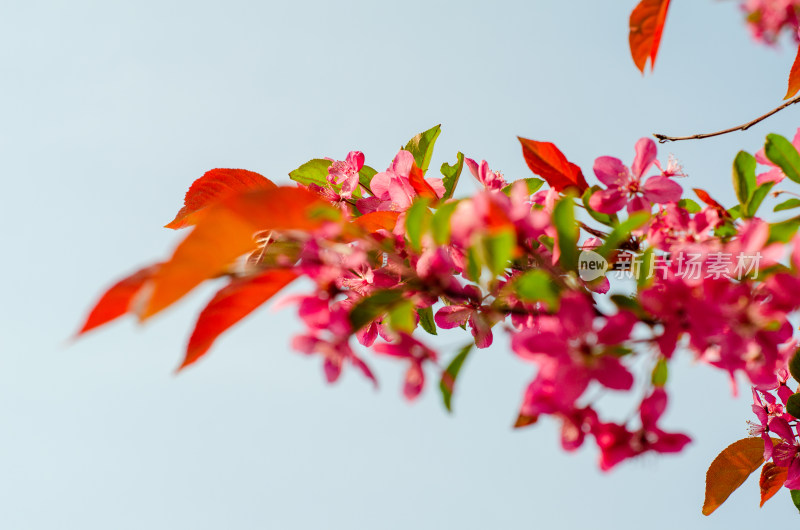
[(110, 110)]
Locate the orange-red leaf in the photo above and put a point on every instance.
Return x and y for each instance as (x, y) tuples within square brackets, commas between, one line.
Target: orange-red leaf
[(117, 300), (547, 161), (771, 481), (706, 198), (729, 470), (225, 233), (646, 25), (213, 187), (373, 221), (524, 421), (231, 304), (794, 77), (416, 178)]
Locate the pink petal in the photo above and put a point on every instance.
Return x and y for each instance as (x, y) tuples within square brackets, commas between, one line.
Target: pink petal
[(639, 203), (530, 344), (611, 171), (380, 185), (415, 380), (610, 372), (645, 156), (473, 168), (608, 201), (402, 163), (355, 159), (452, 316), (618, 328), (773, 175), (660, 190), (481, 331), (652, 408), (669, 442)]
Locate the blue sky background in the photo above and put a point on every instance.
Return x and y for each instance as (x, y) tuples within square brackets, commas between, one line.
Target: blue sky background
[(110, 110)]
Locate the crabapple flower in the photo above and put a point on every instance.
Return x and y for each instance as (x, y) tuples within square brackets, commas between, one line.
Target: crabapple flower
[(345, 173), (392, 188), (416, 353), (491, 180), (767, 18), (617, 443), (625, 185)]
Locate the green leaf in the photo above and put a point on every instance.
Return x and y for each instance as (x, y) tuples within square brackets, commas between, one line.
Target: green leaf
[(312, 172), (795, 498), (418, 220), (365, 177), (368, 309), (533, 185), (784, 231), (498, 250), (426, 319), (744, 176), (794, 365), (567, 230), (757, 198), (787, 205), (448, 381), (401, 317), (421, 146), (660, 373), (783, 154), (626, 302), (536, 286), (622, 232), (689, 205), (793, 405), (451, 175), (607, 220), (440, 224), (645, 276), (735, 212), (473, 264)]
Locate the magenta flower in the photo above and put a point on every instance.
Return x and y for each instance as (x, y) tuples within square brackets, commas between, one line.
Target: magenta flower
[(452, 316), (393, 188), (625, 185), (416, 353), (571, 351), (491, 180), (617, 443), (346, 173)]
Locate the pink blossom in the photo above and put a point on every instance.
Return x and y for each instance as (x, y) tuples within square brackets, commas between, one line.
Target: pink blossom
[(491, 180), (346, 173), (392, 187), (416, 353), (617, 443), (625, 185), (571, 351)]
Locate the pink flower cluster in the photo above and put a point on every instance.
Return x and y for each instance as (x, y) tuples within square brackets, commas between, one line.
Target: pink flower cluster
[(769, 18)]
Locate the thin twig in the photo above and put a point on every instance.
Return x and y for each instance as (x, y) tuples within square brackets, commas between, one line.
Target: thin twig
[(663, 138)]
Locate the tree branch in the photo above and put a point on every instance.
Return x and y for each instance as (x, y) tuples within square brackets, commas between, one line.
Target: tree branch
[(663, 138)]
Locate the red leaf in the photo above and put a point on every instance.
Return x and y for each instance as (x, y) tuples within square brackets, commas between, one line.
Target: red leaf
[(646, 25), (794, 77), (373, 221), (225, 233), (730, 469), (213, 187), (118, 299), (417, 180), (706, 198), (771, 481), (231, 304), (547, 161), (524, 421)]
